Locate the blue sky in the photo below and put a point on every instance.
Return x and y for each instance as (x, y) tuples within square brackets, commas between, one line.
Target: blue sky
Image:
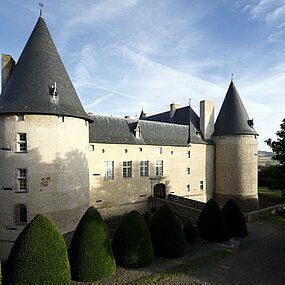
[(128, 54)]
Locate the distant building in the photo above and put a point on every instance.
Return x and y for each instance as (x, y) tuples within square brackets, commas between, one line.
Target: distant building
[(56, 159)]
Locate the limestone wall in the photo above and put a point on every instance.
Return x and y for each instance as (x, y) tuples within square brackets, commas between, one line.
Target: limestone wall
[(120, 195), (57, 170)]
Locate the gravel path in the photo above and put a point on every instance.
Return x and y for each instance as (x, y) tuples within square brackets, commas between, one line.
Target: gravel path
[(258, 260)]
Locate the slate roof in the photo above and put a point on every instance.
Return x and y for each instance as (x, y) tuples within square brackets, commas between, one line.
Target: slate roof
[(29, 89), (121, 131), (233, 118)]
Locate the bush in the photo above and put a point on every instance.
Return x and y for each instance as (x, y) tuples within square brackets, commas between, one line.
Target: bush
[(234, 219), (39, 255), (167, 236), (132, 245), (90, 254), (0, 273), (190, 233), (211, 224)]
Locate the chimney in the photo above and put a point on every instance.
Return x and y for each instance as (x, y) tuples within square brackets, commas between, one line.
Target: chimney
[(173, 108), (207, 109), (8, 64)]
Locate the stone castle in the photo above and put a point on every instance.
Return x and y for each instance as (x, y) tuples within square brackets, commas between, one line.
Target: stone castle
[(56, 159)]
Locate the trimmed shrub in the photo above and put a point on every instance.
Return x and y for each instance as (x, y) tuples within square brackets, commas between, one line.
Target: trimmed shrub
[(90, 253), (0, 273), (39, 255), (190, 233), (132, 245), (234, 219), (211, 224), (167, 236)]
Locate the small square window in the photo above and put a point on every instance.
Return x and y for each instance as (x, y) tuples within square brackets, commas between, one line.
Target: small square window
[(140, 149), (188, 188), (20, 117), (103, 150), (188, 170), (171, 152), (201, 185), (91, 147), (126, 151), (159, 150), (188, 154)]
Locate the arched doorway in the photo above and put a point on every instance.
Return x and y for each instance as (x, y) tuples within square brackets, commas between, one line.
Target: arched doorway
[(159, 191)]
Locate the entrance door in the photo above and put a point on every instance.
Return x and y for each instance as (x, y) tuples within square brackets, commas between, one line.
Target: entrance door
[(159, 191)]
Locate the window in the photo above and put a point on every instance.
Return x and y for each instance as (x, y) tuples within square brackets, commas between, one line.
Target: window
[(21, 142), (127, 169), (201, 185), (91, 147), (126, 151), (20, 117), (20, 214), (159, 168), (61, 119), (22, 179), (144, 168), (159, 150), (140, 149), (109, 170), (188, 188), (188, 154), (188, 170)]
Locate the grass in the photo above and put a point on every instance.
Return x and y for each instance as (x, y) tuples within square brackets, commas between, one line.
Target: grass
[(275, 218), (265, 190), (181, 269)]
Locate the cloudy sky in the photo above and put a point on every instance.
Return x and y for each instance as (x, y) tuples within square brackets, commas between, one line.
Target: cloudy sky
[(128, 54)]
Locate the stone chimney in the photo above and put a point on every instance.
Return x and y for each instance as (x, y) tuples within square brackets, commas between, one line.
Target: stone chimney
[(8, 64), (173, 108), (207, 126)]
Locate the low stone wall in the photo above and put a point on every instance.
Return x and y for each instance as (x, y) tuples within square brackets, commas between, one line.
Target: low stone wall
[(258, 214), (185, 213), (186, 201)]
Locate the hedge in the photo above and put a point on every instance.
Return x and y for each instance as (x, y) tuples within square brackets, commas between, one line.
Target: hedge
[(234, 219), (132, 245), (190, 233), (211, 224), (167, 236), (39, 255), (90, 253)]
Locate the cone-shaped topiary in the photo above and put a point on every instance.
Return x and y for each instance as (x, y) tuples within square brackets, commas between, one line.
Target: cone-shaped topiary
[(190, 233), (234, 219), (132, 245), (167, 236), (90, 253), (0, 273), (39, 255), (211, 224)]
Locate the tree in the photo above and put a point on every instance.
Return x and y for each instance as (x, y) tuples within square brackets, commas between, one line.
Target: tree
[(278, 147), (39, 255), (167, 235), (132, 245), (90, 253)]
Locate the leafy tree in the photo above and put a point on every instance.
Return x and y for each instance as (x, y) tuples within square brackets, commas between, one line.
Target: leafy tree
[(211, 224), (132, 245), (167, 236), (90, 253), (278, 147), (234, 219), (39, 255)]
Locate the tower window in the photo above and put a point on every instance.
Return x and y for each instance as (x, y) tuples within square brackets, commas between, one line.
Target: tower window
[(109, 170), (188, 154), (188, 188), (20, 214), (22, 180), (201, 185), (21, 142), (127, 169), (188, 170)]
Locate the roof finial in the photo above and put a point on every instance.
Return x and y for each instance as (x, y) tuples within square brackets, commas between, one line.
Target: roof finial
[(41, 4), (232, 77)]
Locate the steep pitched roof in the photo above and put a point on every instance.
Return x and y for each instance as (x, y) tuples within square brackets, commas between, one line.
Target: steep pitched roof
[(233, 118), (120, 130), (29, 89)]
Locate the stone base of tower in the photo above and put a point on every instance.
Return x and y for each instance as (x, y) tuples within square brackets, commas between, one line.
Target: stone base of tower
[(245, 203)]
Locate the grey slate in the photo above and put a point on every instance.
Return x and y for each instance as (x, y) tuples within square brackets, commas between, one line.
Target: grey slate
[(121, 131), (233, 118), (38, 68)]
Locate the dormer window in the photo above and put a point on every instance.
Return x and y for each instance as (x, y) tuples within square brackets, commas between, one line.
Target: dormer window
[(54, 91), (137, 131), (250, 123)]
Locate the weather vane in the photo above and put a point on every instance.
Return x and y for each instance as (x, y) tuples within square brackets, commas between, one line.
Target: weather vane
[(41, 4), (232, 77)]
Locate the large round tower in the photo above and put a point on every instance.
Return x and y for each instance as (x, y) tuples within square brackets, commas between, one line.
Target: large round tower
[(236, 154), (44, 136)]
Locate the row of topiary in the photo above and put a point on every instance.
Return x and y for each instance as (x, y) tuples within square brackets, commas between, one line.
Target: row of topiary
[(39, 254)]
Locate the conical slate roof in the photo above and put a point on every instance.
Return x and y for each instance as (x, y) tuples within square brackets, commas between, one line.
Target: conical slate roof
[(233, 118), (31, 85)]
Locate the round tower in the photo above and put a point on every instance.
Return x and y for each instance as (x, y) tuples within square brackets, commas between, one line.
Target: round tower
[(44, 137), (236, 154)]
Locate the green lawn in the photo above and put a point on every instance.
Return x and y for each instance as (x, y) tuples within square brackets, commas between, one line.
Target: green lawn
[(265, 190)]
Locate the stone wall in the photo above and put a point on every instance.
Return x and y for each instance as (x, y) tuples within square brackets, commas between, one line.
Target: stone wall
[(186, 201), (267, 200)]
